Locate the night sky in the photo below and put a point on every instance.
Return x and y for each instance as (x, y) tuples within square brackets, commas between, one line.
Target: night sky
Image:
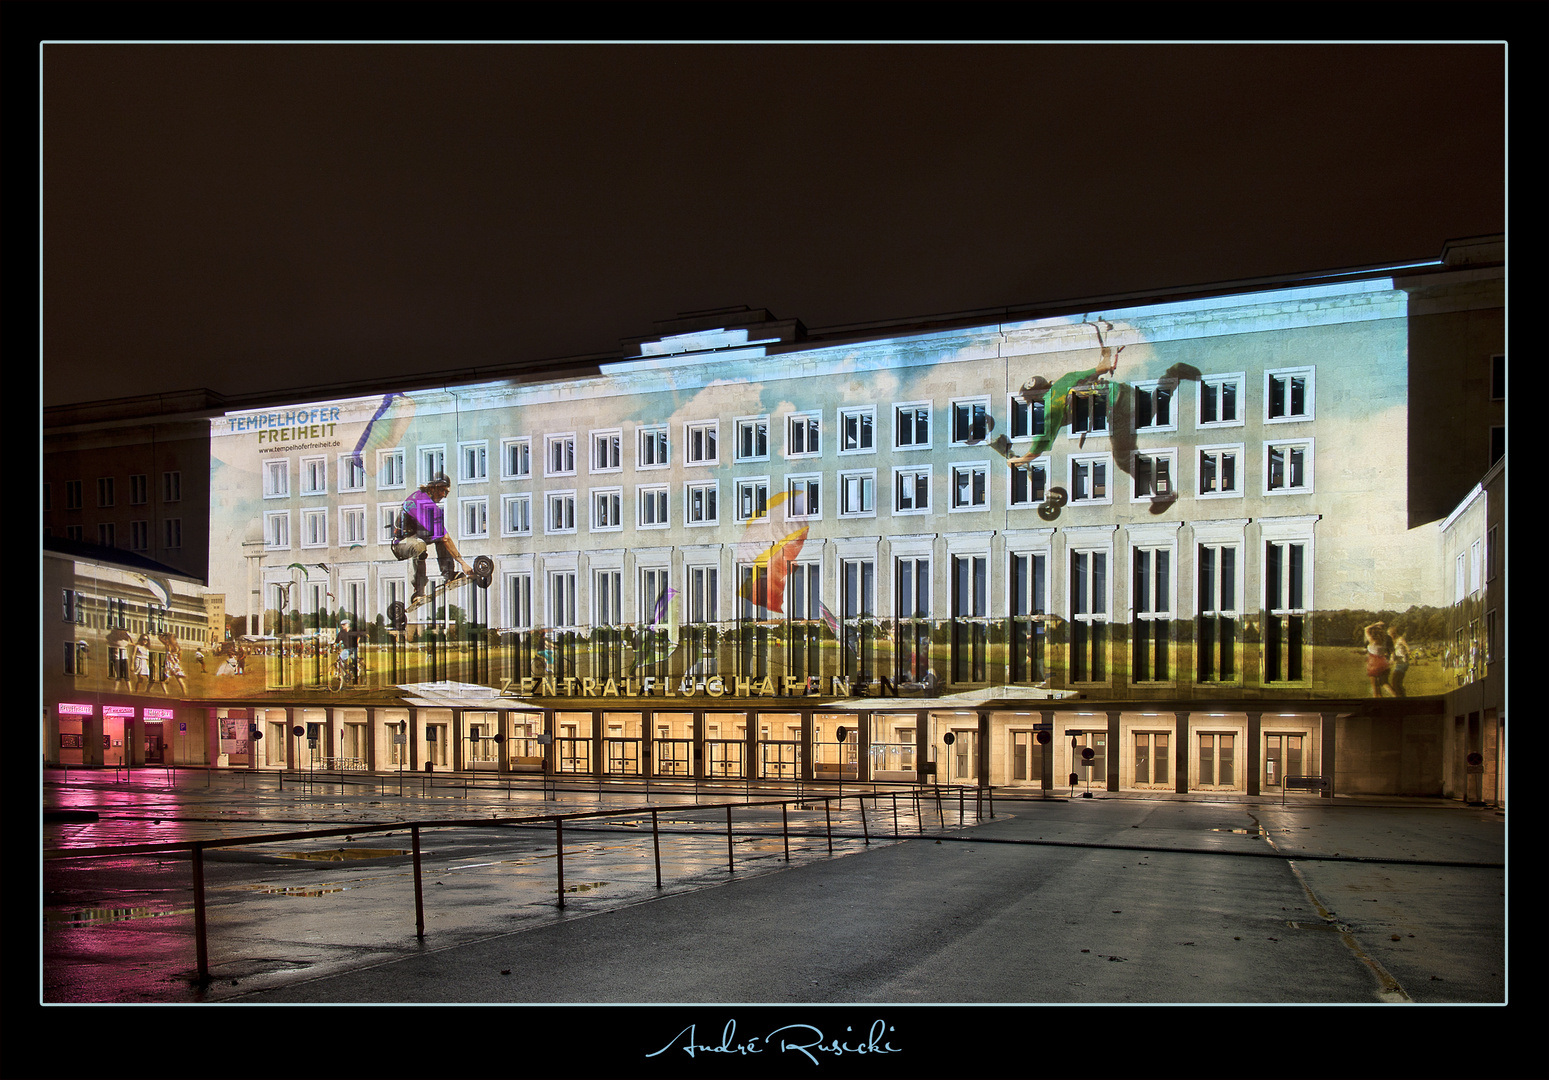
[(256, 218)]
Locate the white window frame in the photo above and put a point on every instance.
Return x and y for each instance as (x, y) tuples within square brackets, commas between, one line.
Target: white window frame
[(512, 522), (352, 525), (1095, 392), (860, 484), (386, 521), (517, 593), (954, 435), (653, 447), (314, 474), (314, 527), (697, 515), (1029, 500), (473, 518), (913, 409), (957, 469), (810, 487), (857, 415), (607, 596), (606, 509), (389, 464), (1306, 487), (1170, 456), (913, 473), (1284, 399), (559, 598), (277, 530), (749, 426), (473, 462), (1074, 463), (276, 478), (352, 473), (565, 502), (660, 503), (1151, 389), (516, 458), (1237, 379), (708, 450), (1219, 452), (430, 460), (743, 486), (810, 424), (606, 450), (1032, 414), (562, 443)]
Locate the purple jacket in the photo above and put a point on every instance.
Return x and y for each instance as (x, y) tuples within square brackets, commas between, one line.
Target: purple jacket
[(426, 514)]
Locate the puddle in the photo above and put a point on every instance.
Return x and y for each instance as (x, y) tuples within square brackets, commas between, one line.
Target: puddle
[(298, 890), (587, 887), (70, 920), (343, 854), (1244, 832)]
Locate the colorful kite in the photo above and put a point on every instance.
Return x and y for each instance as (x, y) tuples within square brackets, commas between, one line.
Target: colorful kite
[(386, 427)]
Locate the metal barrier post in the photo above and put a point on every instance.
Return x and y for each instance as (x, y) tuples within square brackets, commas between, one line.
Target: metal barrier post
[(895, 815), (960, 807), (201, 949), (419, 888), (830, 824), (730, 866), (864, 830), (785, 827), (656, 842), (919, 812), (559, 851)]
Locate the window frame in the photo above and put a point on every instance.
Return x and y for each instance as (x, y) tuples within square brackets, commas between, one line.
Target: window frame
[(712, 444), (1170, 456), (745, 424), (603, 503), (1238, 451), (972, 467), (508, 501), (516, 458), (653, 493), (810, 422), (609, 444), (1307, 486), (561, 497), (393, 458), (1029, 501), (1238, 379), (812, 484), (473, 517), (972, 402), (565, 443), (311, 515), (867, 481), (858, 414), (1309, 395), (473, 462), (657, 437), (915, 471), (914, 407), (741, 486), (702, 487), (1073, 461)]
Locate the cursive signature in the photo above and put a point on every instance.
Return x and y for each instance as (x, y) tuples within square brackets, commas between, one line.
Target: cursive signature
[(802, 1038)]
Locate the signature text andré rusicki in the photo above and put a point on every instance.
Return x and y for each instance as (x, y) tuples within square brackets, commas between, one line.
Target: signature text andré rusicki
[(804, 1039)]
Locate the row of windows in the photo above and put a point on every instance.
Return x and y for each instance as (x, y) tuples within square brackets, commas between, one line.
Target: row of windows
[(857, 430), (107, 491), (139, 534), (1219, 472)]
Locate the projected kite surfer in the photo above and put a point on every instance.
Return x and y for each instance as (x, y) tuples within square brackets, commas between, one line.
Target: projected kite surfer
[(422, 523)]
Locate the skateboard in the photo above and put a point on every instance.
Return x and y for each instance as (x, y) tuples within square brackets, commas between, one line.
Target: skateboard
[(483, 573)]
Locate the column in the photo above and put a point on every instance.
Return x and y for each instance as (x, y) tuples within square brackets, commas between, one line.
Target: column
[(1046, 750), (982, 751), (863, 746), (807, 770), (1326, 740), (1181, 754), (1255, 751), (1115, 750)]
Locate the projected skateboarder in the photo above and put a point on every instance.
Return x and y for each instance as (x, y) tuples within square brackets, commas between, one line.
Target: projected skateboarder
[(421, 523)]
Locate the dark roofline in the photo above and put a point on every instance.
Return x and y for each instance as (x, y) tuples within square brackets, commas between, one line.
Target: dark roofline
[(114, 557)]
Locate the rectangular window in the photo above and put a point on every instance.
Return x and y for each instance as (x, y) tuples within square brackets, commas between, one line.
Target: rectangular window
[(607, 509), (473, 515), (1153, 407), (105, 534), (1029, 483), (1215, 643), (352, 473), (651, 448), (701, 504), (653, 507), (803, 435), (314, 528), (857, 430), (314, 476), (140, 535), (1088, 616), (1219, 398), (352, 525), (389, 470), (73, 494), (608, 598), (752, 499), (1029, 598), (559, 455), (911, 426), (171, 487), (1217, 760), (704, 605), (857, 493), (1151, 761), (562, 598), (1285, 598), (1089, 411), (473, 462), (911, 491), (1288, 394), (911, 607), (702, 442), (172, 533), (560, 517), (276, 479), (1026, 418), (105, 493), (277, 529), (607, 451), (139, 490), (1089, 479), (803, 497), (432, 462), (516, 459), (516, 515), (1151, 619), (1153, 475), (519, 595), (753, 438), (970, 421), (970, 618), (1218, 474), (971, 486), (1288, 467)]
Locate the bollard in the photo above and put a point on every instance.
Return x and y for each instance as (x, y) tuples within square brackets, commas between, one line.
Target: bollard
[(830, 825), (895, 815), (656, 842), (785, 827), (865, 832), (201, 949), (559, 853), (419, 887), (730, 866)]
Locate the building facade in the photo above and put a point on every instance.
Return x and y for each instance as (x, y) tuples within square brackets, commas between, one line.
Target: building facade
[(1129, 548)]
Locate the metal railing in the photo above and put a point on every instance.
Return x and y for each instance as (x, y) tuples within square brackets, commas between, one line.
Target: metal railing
[(920, 797)]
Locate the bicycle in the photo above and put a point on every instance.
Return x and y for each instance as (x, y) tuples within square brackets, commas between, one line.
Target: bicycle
[(343, 673)]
